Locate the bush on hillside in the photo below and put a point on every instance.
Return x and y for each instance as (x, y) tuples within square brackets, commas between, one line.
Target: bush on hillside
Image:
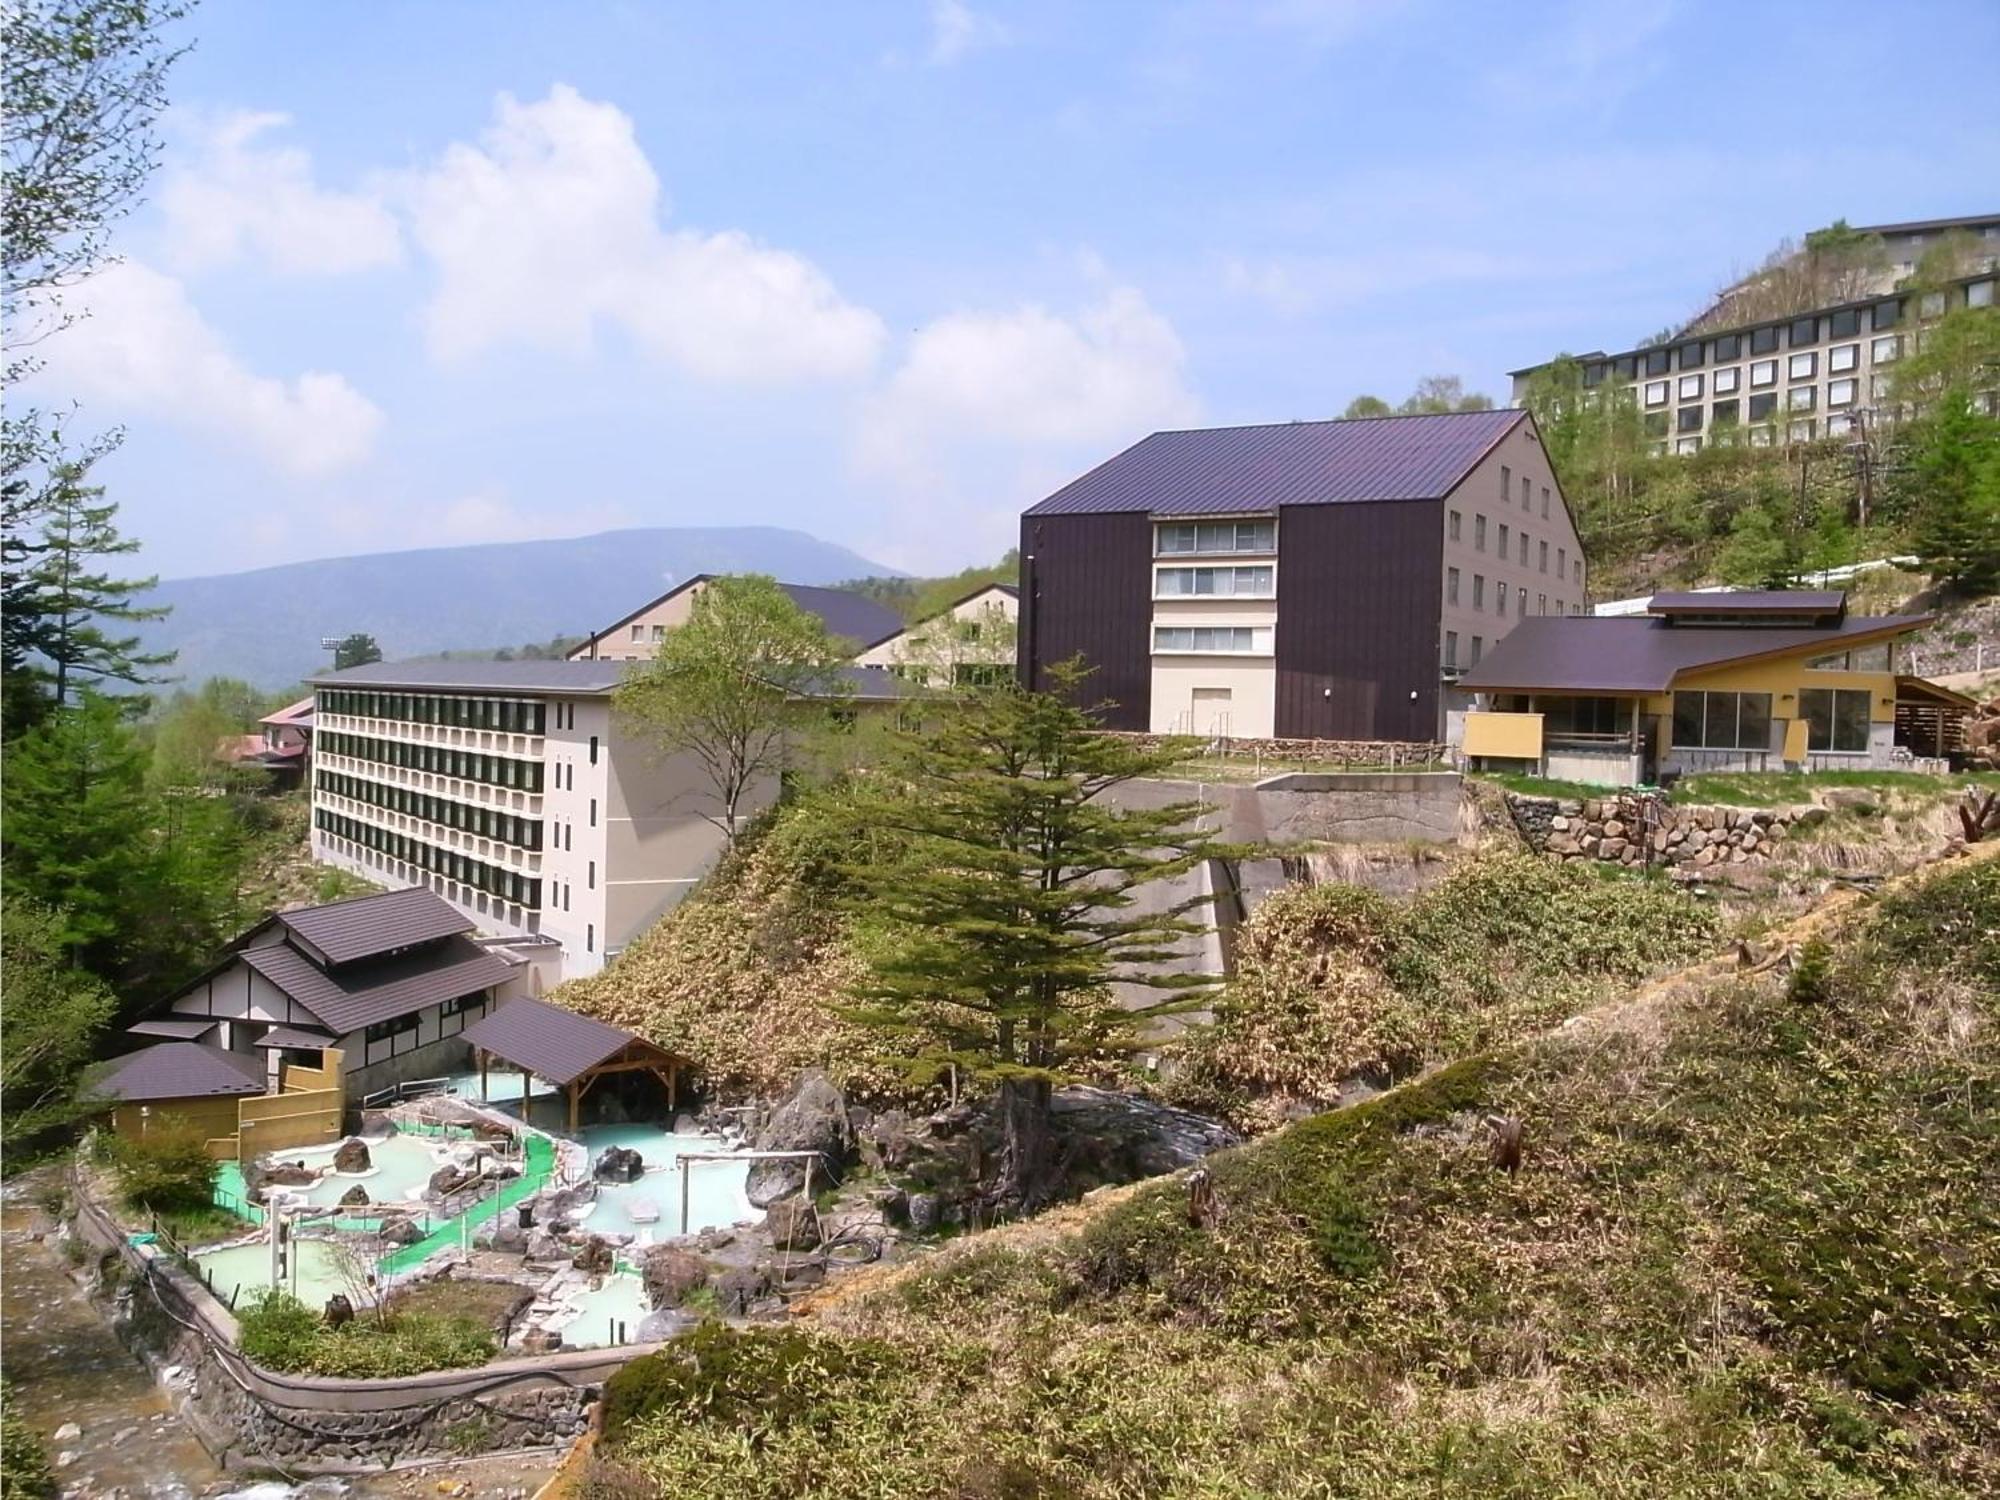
[(281, 1333), (167, 1170)]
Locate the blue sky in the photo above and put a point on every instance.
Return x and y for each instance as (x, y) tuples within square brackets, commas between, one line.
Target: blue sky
[(429, 273)]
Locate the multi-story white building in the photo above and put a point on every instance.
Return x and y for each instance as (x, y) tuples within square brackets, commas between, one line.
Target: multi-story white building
[(1817, 375), (511, 790)]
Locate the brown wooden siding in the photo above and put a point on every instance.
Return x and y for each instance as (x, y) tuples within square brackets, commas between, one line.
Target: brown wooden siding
[(1358, 601), (1087, 588)]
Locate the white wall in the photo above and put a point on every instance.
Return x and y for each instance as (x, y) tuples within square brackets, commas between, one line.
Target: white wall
[(1248, 713)]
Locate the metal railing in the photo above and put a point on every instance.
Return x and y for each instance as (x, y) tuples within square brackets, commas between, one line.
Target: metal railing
[(412, 1088)]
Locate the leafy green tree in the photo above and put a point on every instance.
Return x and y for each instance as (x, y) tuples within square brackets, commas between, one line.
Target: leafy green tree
[(1953, 455), (48, 1027), (1762, 551), (1013, 902), (190, 728), (356, 650), (1441, 393), (746, 675), (1366, 406)]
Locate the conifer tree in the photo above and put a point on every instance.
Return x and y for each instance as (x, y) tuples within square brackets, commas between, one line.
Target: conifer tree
[(1015, 900)]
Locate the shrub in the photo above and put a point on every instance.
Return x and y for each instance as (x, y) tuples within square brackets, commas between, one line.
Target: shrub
[(753, 1379), (1811, 981), (281, 1333), (166, 1170), (24, 1468), (277, 1331)]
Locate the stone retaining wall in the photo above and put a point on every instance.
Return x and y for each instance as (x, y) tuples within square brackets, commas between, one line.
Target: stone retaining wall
[(1372, 753), (1643, 828), (249, 1416)]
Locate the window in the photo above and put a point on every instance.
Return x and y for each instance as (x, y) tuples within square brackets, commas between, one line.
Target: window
[(1840, 393), (593, 812), (1728, 346), (1804, 331), (590, 876), (1689, 388), (1213, 583), (593, 759), (1506, 483), (1451, 648), (1688, 419), (1576, 571), (1562, 562), (1842, 358), (1860, 659), (1656, 393), (1836, 719), (1241, 640), (1885, 349), (1801, 367), (1503, 539), (1542, 605), (1931, 305), (1979, 294), (659, 632), (1800, 432), (1844, 324), (638, 632), (1626, 367), (1451, 585), (1521, 604), (1885, 314), (1764, 341), (1839, 424), (589, 937), (1764, 372), (1656, 425), (1453, 526), (1479, 591), (1688, 357), (1524, 549), (1500, 601), (1687, 445), (1524, 492), (1722, 721), (1542, 557), (1762, 406), (1724, 413), (1656, 361), (1545, 502), (1593, 373), (1216, 537), (1479, 533), (1478, 648), (1802, 398), (388, 1031)]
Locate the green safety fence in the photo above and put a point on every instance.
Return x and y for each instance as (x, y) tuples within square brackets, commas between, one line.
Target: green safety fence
[(232, 1194), (535, 1173)]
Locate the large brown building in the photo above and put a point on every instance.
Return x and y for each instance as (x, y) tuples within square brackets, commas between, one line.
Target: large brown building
[(1313, 580)]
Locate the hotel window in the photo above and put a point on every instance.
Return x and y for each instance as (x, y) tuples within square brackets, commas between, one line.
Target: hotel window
[(1545, 502), (1688, 357), (1656, 361), (1886, 348), (590, 875), (1216, 537), (1840, 393), (1885, 315), (1726, 381), (1763, 340), (1723, 414), (1722, 721), (1878, 387), (1478, 648), (1451, 585), (1842, 358), (659, 632), (1524, 549), (1452, 526), (593, 759), (1213, 583), (1764, 372), (1479, 591), (1804, 331), (1656, 425), (589, 937), (1979, 294), (1802, 366), (1524, 492), (1839, 424), (1506, 483), (1562, 562), (1688, 419), (1762, 406), (1451, 648), (1542, 557), (1500, 601), (1801, 398), (1593, 373), (1800, 432), (1239, 640), (1656, 393), (1687, 445), (1728, 346), (1931, 305), (1836, 719), (1479, 533), (1576, 571), (1521, 605), (638, 632), (1503, 539), (1689, 388), (1843, 325), (1542, 604), (1626, 367)]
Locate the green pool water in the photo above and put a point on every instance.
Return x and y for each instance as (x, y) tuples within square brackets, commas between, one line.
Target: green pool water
[(315, 1273), (622, 1299)]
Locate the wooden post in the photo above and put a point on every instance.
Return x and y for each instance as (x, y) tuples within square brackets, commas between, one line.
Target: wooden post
[(572, 1106), (681, 1162), (673, 1089), (527, 1092), (483, 1055)]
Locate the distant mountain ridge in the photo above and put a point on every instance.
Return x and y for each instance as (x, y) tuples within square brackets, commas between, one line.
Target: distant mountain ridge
[(265, 625)]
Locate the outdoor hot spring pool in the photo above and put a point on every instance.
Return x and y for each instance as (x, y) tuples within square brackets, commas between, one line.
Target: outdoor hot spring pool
[(401, 1169), (598, 1314), (318, 1269), (650, 1209)]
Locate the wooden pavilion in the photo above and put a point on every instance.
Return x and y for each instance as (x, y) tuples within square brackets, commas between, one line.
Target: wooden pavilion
[(568, 1050)]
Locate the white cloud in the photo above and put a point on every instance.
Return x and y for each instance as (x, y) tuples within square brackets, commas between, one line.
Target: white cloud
[(233, 196), (146, 349), (549, 229), (958, 30), (990, 410), (1303, 284)]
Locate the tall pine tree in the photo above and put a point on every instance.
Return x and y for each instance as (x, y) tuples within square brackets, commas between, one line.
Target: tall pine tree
[(1015, 901)]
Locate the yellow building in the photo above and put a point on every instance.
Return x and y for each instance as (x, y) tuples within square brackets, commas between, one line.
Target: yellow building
[(1747, 681)]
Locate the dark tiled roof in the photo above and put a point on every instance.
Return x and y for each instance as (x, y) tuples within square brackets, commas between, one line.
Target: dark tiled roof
[(181, 1070), (1634, 654), (1223, 470), (181, 1030), (294, 1036), (359, 995), (1749, 602), (348, 930), (548, 1041), (584, 678), (852, 617)]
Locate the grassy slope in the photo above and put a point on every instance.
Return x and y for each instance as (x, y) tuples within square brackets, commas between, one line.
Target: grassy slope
[(1753, 1250)]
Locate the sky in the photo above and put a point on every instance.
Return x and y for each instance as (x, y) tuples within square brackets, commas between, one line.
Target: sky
[(429, 273)]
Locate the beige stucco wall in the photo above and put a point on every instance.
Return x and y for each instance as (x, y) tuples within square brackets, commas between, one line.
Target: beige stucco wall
[(1249, 712), (618, 643), (925, 643)]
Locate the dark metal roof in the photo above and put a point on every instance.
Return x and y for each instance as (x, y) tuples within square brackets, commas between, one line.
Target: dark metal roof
[(550, 1042), (349, 930), (1749, 602), (294, 1036), (1919, 226), (855, 617), (1634, 654), (181, 1030), (1231, 470), (358, 995), (181, 1070), (581, 678)]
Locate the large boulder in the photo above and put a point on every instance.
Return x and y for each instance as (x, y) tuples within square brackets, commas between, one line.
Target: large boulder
[(792, 1224), (354, 1197), (448, 1179), (399, 1230), (351, 1156), (594, 1256), (670, 1273), (662, 1324), (813, 1117), (737, 1291), (1122, 1137), (619, 1164)]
